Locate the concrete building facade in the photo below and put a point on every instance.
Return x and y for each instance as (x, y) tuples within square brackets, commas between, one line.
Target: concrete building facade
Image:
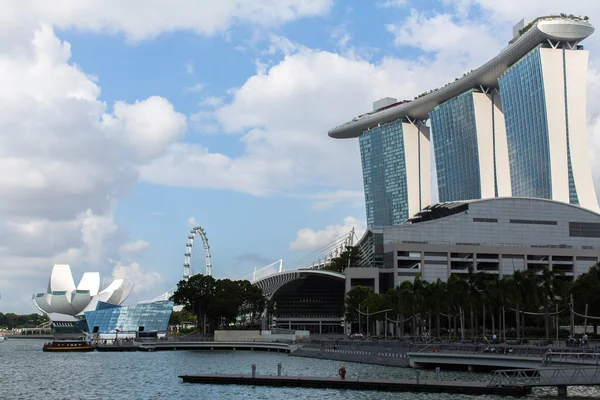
[(497, 236)]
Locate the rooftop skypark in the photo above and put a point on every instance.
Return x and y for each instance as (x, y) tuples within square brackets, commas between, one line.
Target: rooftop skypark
[(556, 31)]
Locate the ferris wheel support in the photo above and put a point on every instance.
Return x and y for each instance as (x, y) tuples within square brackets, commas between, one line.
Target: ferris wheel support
[(195, 232)]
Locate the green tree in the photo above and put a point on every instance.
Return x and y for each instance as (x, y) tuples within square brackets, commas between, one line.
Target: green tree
[(196, 295), (585, 291), (393, 299), (253, 301), (522, 289), (455, 299), (348, 257), (355, 299), (177, 317), (226, 303), (437, 295), (550, 291)]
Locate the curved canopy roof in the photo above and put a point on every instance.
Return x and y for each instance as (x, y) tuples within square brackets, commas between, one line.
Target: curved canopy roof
[(544, 29), (447, 209), (272, 283)]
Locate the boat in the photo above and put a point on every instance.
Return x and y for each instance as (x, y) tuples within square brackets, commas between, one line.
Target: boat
[(68, 346)]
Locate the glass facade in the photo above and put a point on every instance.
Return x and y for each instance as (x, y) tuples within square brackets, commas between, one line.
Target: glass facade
[(384, 174), (140, 317), (455, 145), (523, 99)]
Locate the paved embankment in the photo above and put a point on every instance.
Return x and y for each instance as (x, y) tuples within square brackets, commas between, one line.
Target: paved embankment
[(38, 337), (393, 355), (386, 385), (250, 346)]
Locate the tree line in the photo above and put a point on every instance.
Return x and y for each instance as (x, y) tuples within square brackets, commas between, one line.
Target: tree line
[(481, 302), (11, 320), (220, 302)]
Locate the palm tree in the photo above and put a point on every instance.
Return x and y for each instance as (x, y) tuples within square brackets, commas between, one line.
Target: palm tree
[(551, 290), (409, 301), (522, 290), (499, 294), (436, 298), (420, 288), (393, 299), (455, 298), (475, 284), (414, 293)]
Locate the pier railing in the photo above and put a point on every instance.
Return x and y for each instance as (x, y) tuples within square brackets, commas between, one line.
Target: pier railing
[(556, 376), (571, 358)]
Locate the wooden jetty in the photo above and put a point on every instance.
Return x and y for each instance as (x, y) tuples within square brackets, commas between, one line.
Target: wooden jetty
[(386, 385)]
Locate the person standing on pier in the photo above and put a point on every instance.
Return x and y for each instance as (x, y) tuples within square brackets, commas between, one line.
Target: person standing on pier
[(342, 372)]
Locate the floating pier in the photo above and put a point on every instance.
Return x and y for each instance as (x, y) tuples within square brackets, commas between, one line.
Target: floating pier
[(385, 385)]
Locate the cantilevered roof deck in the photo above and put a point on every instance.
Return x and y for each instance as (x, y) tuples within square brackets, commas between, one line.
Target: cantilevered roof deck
[(555, 29)]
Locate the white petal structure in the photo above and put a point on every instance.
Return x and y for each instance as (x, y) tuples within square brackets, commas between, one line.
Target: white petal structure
[(63, 297), (116, 293), (90, 281), (61, 279)]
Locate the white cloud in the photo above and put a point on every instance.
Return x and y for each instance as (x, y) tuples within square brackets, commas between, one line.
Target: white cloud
[(66, 158), (134, 247), (308, 239), (283, 114), (192, 222), (392, 3), (512, 11), (212, 101), (149, 125), (144, 280), (138, 20), (198, 87), (448, 37), (327, 200), (95, 229), (189, 68), (281, 44)]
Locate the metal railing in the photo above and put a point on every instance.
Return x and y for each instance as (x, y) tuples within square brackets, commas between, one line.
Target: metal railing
[(558, 376), (571, 358), (497, 349)]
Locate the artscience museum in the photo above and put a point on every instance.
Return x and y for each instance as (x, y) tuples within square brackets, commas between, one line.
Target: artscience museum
[(63, 297), (76, 310)]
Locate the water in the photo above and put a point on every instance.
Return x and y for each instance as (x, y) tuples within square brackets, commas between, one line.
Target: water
[(28, 373)]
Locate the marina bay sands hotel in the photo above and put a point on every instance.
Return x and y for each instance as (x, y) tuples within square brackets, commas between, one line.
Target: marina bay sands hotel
[(515, 126)]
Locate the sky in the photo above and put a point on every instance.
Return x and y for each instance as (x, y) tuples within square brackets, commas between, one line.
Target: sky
[(126, 123)]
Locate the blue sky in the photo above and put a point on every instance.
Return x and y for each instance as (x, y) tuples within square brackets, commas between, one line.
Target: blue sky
[(122, 123)]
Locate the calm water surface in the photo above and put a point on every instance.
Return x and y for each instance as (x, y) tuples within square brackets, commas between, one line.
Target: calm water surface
[(28, 373)]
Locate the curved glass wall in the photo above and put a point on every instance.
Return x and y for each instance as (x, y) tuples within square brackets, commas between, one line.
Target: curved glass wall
[(523, 99), (384, 174), (140, 317), (455, 143)]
